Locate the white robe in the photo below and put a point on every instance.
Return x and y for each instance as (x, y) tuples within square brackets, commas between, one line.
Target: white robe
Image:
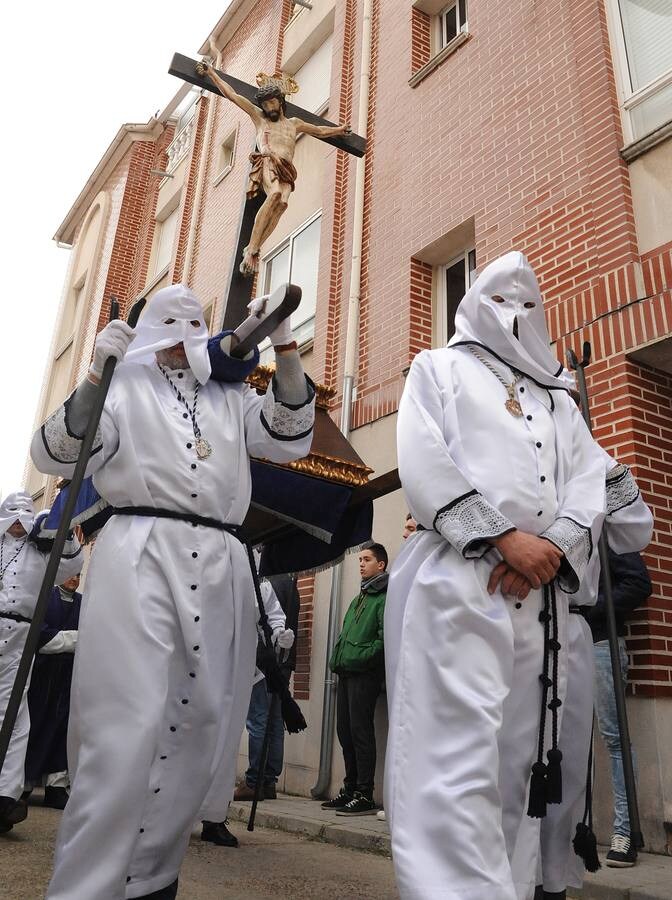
[(463, 666), (629, 528), (18, 595), (166, 647)]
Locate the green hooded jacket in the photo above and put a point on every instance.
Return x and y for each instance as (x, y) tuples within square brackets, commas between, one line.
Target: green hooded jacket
[(359, 647)]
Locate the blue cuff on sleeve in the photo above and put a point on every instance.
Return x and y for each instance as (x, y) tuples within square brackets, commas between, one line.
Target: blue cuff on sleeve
[(228, 368)]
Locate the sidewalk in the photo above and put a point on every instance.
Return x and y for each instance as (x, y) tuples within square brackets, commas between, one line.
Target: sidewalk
[(650, 879)]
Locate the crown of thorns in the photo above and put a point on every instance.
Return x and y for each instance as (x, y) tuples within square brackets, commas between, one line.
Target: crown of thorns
[(280, 83)]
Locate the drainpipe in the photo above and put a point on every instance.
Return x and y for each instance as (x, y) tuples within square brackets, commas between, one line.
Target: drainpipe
[(200, 178), (351, 359)]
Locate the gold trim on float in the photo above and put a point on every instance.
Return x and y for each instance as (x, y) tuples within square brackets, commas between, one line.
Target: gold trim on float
[(261, 377)]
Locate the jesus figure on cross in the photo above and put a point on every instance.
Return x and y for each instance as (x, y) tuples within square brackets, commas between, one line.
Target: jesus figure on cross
[(273, 169)]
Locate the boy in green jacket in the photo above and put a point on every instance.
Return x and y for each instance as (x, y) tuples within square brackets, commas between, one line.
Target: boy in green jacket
[(358, 660)]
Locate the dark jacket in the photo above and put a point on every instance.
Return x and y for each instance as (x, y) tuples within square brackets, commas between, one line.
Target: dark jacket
[(631, 586), (290, 601), (359, 647)]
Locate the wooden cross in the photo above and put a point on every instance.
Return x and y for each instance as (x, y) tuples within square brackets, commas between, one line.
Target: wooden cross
[(239, 291)]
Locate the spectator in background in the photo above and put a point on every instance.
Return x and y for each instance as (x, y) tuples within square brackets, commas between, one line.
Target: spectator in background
[(631, 588), (358, 660), (410, 526)]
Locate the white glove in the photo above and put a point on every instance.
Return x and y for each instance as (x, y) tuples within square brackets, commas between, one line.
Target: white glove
[(113, 340), (283, 638), (62, 642), (283, 333)]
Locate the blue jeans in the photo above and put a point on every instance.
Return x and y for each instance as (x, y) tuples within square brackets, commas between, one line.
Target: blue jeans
[(607, 722), (257, 714)]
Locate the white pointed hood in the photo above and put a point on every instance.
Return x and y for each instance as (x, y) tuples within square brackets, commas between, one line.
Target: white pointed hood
[(17, 506), (480, 319), (155, 331)]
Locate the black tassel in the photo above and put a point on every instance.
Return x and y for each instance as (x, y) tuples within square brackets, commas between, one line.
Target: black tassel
[(554, 776), (292, 715), (585, 847), (536, 808)]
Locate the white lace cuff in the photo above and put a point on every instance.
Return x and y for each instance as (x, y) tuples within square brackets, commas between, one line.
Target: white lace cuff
[(288, 421), (576, 542), (622, 488), (468, 522), (60, 442)]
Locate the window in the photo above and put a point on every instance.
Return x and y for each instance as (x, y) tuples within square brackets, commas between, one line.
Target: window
[(163, 241), (643, 44), (297, 260), (227, 152), (314, 79), (186, 109), (455, 279), (452, 21)]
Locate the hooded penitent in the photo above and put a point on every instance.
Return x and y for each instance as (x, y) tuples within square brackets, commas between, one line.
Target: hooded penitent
[(173, 315), (17, 507), (503, 311)]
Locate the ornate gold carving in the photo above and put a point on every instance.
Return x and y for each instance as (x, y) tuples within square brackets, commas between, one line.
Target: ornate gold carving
[(281, 80), (261, 377)]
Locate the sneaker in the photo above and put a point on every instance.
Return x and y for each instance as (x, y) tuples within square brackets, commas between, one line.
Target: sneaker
[(270, 791), (218, 833), (339, 802), (358, 806), (380, 815), (622, 854), (246, 792)]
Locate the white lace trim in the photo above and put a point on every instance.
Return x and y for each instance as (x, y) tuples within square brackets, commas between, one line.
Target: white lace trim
[(622, 488), (59, 443), (576, 543), (468, 522), (285, 422)]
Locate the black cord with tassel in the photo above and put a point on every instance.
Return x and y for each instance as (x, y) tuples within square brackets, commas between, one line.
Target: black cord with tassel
[(536, 808), (554, 755), (585, 842)]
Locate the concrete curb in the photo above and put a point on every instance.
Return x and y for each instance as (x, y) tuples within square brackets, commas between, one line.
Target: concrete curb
[(354, 838)]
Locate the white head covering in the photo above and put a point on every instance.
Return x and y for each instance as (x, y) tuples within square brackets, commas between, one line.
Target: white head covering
[(482, 320), (17, 506), (154, 331)]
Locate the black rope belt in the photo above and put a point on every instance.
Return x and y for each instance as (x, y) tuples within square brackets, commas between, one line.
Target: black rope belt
[(15, 617), (152, 512)]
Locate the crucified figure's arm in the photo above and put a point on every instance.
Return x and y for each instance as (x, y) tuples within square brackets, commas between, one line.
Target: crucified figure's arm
[(204, 68), (321, 131)]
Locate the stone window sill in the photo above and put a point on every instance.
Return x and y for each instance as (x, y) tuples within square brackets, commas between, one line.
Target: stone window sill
[(646, 143), (436, 61)]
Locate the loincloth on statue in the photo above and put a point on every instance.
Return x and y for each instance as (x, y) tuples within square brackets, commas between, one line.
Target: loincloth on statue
[(280, 169)]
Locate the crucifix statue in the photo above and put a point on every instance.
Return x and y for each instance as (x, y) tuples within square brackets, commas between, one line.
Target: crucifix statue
[(273, 168), (255, 225)]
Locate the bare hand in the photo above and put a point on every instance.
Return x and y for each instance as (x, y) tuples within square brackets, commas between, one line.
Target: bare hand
[(346, 129), (203, 68), (510, 582), (536, 558)]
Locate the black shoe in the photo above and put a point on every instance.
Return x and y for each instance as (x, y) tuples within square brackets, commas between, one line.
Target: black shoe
[(55, 797), (218, 833), (270, 791), (12, 812), (358, 806), (339, 802), (167, 893), (622, 854)]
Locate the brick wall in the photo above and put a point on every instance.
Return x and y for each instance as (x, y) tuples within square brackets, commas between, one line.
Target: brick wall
[(301, 686), (421, 39)]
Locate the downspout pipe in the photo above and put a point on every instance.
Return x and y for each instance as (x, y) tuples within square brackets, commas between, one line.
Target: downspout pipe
[(351, 358), (200, 178)]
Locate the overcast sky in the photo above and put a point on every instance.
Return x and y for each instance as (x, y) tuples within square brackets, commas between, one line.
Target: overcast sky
[(73, 73)]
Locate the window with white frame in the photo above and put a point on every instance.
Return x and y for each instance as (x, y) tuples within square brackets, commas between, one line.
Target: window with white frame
[(163, 241), (297, 260), (186, 109), (455, 278), (451, 21), (642, 33), (314, 79), (227, 152)]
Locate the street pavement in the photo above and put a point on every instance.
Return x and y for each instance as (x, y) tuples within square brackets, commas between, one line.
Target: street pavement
[(268, 865)]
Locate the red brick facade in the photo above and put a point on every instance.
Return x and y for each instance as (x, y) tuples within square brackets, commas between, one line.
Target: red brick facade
[(421, 39)]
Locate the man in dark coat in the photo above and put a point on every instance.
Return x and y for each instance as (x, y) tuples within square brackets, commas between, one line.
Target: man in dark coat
[(49, 695)]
